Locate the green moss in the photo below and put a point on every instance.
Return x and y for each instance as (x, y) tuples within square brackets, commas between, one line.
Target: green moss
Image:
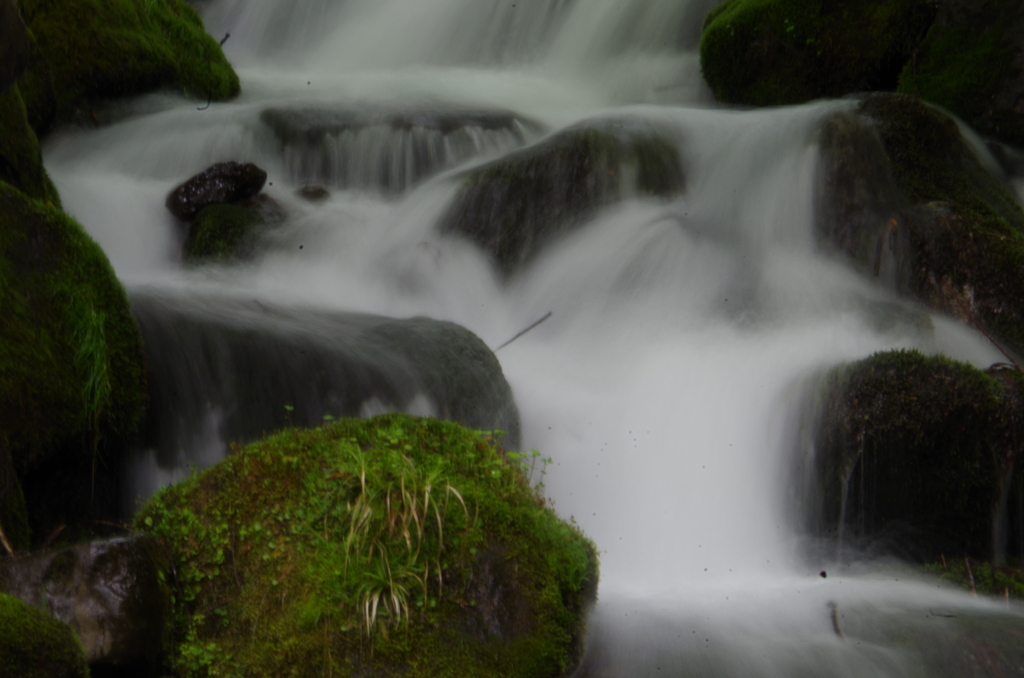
[(89, 49), (968, 61), (21, 161), (915, 445), (13, 513), (389, 546), (513, 206), (222, 232), (35, 645), (982, 577), (776, 52), (71, 368)]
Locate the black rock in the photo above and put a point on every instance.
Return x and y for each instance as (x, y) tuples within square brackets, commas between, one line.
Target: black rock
[(225, 182), (14, 44)]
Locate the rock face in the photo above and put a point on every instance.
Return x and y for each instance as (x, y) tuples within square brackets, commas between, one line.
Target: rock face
[(903, 196), (513, 206), (223, 182), (388, 150), (112, 593), (415, 537), (85, 50), (35, 645), (916, 455), (965, 55), (248, 360), (14, 44)]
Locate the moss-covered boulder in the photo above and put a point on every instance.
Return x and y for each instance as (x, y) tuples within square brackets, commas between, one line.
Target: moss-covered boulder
[(972, 63), (84, 50), (14, 44), (71, 372), (21, 161), (918, 453), (223, 233), (390, 546), (35, 645), (903, 196), (776, 52), (512, 206)]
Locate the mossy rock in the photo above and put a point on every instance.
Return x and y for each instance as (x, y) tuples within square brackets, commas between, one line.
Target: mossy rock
[(778, 52), (390, 546), (223, 233), (914, 452), (972, 63), (84, 50), (35, 645), (21, 161), (907, 200), (513, 206), (71, 366)]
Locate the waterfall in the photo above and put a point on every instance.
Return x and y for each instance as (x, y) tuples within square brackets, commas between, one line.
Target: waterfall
[(666, 384)]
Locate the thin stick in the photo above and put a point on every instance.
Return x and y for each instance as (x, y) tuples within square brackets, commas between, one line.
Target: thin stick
[(943, 556), (7, 544), (970, 576), (546, 316), (835, 618)]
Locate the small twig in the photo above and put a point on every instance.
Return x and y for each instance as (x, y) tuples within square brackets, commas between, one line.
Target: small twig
[(970, 577), (977, 325), (224, 39), (546, 316), (943, 556), (835, 618), (209, 100), (7, 544), (53, 535)]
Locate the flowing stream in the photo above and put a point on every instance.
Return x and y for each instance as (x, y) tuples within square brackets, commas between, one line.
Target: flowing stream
[(669, 384)]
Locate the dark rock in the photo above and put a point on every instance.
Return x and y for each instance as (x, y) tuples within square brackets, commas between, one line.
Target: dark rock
[(224, 182), (916, 455), (111, 592), (388, 150), (14, 44), (907, 200), (776, 52), (313, 193), (230, 232), (512, 206), (248, 360), (972, 63), (35, 645), (21, 161)]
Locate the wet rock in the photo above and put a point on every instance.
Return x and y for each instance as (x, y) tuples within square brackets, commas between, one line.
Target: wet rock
[(780, 52), (33, 644), (388, 150), (904, 197), (14, 44), (111, 592), (261, 367), (512, 206), (915, 455), (313, 193), (224, 182), (230, 232)]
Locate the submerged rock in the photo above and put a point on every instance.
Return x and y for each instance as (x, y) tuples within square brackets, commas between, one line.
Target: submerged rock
[(111, 592), (249, 367), (84, 50), (35, 645), (230, 232), (388, 546), (916, 455), (388, 150), (512, 206), (223, 182), (902, 194)]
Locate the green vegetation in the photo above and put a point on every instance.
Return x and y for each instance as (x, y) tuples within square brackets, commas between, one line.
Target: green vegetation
[(21, 161), (981, 577), (916, 447), (777, 52), (389, 546), (511, 207), (84, 50), (222, 232), (35, 645), (969, 62)]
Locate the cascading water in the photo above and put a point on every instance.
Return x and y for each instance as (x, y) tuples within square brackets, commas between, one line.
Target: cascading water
[(666, 386)]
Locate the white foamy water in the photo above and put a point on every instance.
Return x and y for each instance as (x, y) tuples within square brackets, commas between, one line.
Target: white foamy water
[(667, 385)]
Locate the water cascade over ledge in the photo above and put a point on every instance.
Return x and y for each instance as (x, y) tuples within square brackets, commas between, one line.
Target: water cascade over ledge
[(668, 384)]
